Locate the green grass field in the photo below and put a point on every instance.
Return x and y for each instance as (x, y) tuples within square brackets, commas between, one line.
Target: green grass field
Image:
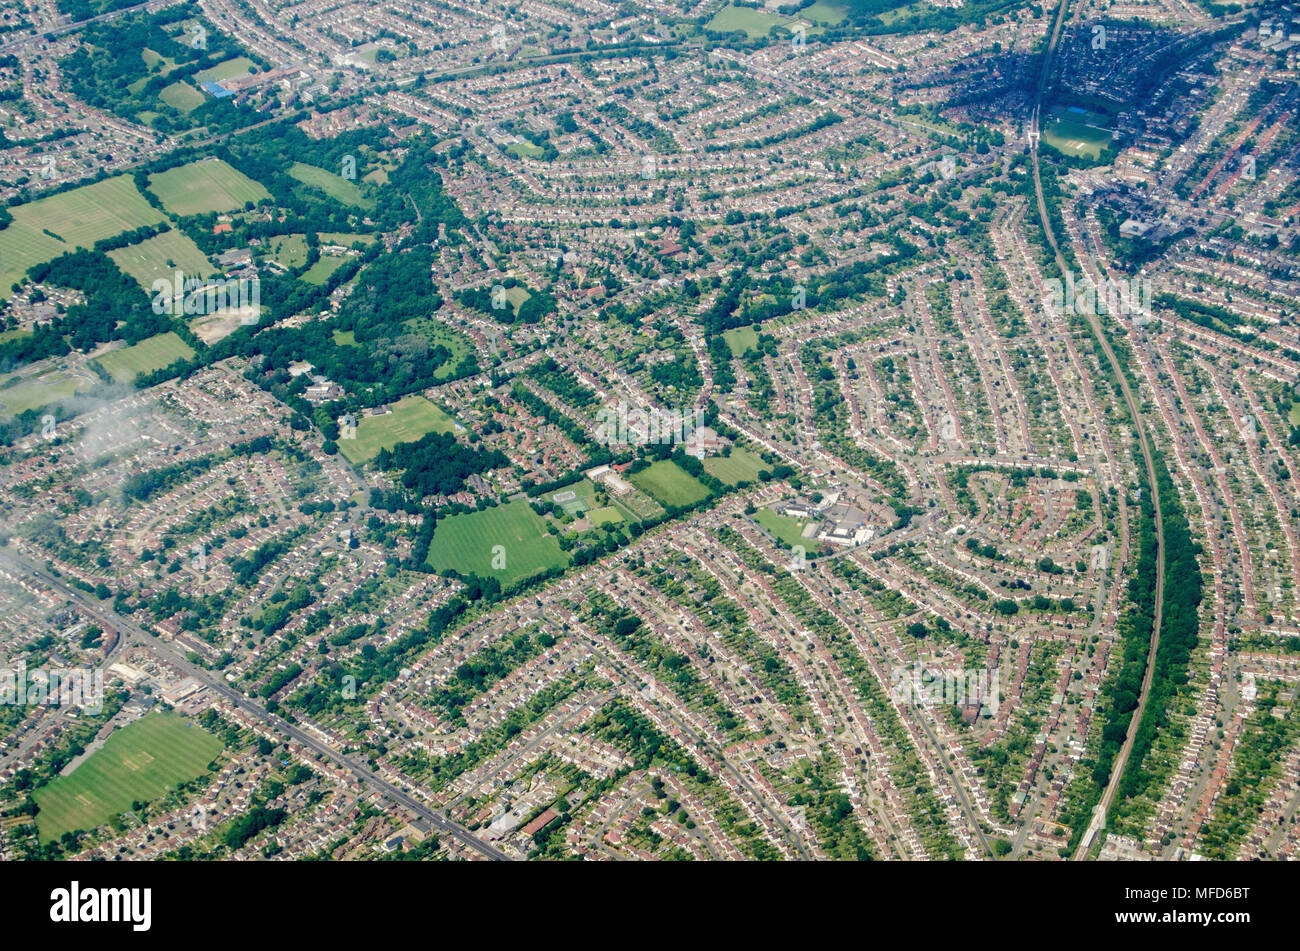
[(608, 515), (411, 418), (789, 530), (754, 23), (239, 66), (288, 250), (823, 12), (740, 339), (146, 356), (1077, 134), (741, 466), (207, 185), (466, 542), (344, 240), (79, 217), (182, 97), (137, 763), (336, 186), (52, 387), (162, 256), (320, 272), (669, 484)]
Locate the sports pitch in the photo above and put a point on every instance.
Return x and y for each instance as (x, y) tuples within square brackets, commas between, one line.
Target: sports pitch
[(137, 764), (669, 484), (466, 543), (148, 355), (79, 217), (207, 185), (412, 417), (162, 256), (741, 466)]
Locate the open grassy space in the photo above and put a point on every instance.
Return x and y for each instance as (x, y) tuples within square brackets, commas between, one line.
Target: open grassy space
[(829, 14), (288, 250), (440, 335), (239, 66), (156, 352), (607, 515), (740, 339), (669, 484), (182, 97), (1077, 133), (345, 240), (465, 543), (162, 256), (320, 272), (411, 418), (789, 530), (79, 218), (524, 149), (754, 23), (344, 338), (207, 185), (740, 466), (51, 387), (140, 762), (336, 186)]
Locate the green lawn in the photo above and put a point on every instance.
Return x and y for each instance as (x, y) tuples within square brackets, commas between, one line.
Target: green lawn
[(320, 272), (336, 186), (140, 763), (740, 466), (182, 97), (146, 356), (288, 250), (239, 66), (344, 240), (607, 515), (466, 543), (207, 185), (740, 339), (162, 256), (754, 23), (52, 387), (411, 418), (79, 218), (1077, 134), (669, 484), (789, 530), (822, 12)]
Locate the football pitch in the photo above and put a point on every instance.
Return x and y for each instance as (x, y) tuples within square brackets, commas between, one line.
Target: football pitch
[(148, 355), (79, 218), (209, 185), (411, 418), (467, 542), (162, 256), (138, 763), (669, 484)]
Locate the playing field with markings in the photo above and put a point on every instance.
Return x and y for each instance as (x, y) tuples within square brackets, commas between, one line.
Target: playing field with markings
[(466, 543), (139, 762), (152, 353), (412, 417), (79, 218), (209, 185), (162, 256), (740, 466), (669, 484)]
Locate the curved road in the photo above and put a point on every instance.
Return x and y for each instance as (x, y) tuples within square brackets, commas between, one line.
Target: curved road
[(1117, 768)]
